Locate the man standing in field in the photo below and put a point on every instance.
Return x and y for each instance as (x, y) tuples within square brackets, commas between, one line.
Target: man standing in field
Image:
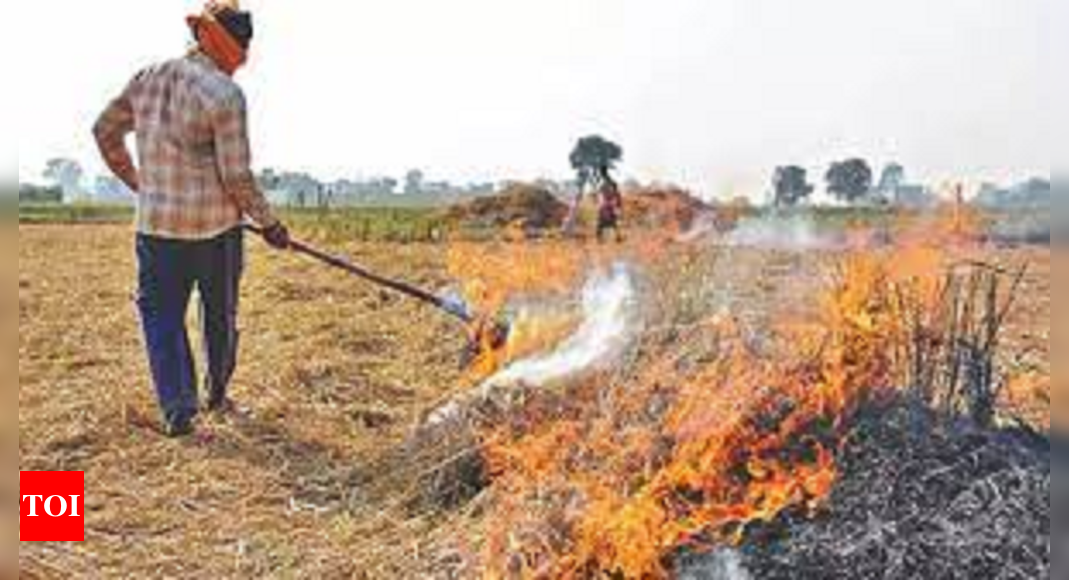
[(194, 187)]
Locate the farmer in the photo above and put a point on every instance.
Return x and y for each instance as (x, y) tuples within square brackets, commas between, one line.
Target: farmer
[(194, 187), (610, 206)]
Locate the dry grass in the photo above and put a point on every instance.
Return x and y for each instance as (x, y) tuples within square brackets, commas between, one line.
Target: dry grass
[(332, 370), (334, 373)]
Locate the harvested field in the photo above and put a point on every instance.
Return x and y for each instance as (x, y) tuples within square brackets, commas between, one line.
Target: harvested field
[(314, 479)]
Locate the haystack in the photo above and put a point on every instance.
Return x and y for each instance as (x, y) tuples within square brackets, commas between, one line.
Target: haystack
[(663, 208), (530, 207)]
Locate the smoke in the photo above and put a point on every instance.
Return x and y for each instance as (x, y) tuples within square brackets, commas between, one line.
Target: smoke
[(1022, 228), (608, 327), (781, 232), (703, 227), (724, 564), (610, 323)]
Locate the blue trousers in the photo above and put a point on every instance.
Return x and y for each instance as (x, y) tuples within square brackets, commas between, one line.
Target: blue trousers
[(168, 271)]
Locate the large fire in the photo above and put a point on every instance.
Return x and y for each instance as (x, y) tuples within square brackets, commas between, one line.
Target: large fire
[(621, 473), (624, 486)]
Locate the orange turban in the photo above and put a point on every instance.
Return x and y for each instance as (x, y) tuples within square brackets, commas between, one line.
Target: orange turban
[(222, 44)]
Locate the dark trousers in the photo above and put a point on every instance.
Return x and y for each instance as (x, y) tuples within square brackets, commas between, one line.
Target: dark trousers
[(169, 270)]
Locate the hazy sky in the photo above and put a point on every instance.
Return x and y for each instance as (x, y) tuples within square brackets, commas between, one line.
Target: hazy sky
[(709, 93)]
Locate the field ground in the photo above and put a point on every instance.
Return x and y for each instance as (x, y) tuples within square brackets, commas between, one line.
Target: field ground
[(334, 374)]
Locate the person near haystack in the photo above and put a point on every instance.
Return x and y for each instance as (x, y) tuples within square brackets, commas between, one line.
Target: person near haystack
[(610, 207), (194, 188)]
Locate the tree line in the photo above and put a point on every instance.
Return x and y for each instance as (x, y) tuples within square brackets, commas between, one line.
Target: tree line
[(850, 181)]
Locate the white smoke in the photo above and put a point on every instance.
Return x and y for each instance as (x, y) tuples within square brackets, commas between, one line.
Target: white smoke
[(779, 232), (610, 324), (608, 327), (724, 564), (703, 227)]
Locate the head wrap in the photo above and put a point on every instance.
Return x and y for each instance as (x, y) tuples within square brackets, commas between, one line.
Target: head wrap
[(224, 33)]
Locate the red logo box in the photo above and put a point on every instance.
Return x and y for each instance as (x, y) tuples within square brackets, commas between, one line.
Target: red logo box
[(52, 506)]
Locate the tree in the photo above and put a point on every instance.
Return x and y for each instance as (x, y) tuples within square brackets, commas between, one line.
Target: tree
[(298, 188), (388, 185), (791, 186), (32, 194), (324, 196), (850, 181), (414, 182), (111, 189), (268, 179), (892, 178), (67, 174), (594, 155)]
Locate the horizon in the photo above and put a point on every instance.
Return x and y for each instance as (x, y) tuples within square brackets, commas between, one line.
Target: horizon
[(709, 97)]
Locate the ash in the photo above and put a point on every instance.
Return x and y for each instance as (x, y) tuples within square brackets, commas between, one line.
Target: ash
[(920, 498), (724, 564)]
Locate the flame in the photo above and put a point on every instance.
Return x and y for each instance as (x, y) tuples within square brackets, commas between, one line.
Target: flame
[(499, 275), (615, 476), (714, 463), (494, 275)]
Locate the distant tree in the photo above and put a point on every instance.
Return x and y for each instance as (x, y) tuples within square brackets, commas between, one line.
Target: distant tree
[(891, 185), (850, 181), (300, 189), (892, 178), (67, 174), (33, 194), (324, 196), (388, 185), (110, 188), (791, 186), (414, 182), (268, 179), (594, 155)]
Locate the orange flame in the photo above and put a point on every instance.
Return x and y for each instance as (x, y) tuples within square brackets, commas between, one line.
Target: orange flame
[(615, 478), (543, 271), (714, 462)]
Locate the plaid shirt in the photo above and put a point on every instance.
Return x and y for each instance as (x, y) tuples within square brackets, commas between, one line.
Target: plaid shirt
[(193, 175)]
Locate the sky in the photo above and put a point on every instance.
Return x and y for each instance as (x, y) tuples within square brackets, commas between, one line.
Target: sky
[(710, 94)]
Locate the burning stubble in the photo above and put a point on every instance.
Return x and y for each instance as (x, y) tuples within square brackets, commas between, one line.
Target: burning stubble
[(610, 322), (627, 471), (794, 232)]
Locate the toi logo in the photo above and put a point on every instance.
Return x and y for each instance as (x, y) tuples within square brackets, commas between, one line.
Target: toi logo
[(52, 506)]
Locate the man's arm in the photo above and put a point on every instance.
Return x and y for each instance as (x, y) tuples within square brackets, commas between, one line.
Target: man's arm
[(234, 159), (111, 129)]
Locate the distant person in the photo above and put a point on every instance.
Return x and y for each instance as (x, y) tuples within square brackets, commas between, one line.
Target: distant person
[(194, 188), (610, 207)]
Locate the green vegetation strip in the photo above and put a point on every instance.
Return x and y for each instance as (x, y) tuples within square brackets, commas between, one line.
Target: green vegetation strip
[(366, 224)]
